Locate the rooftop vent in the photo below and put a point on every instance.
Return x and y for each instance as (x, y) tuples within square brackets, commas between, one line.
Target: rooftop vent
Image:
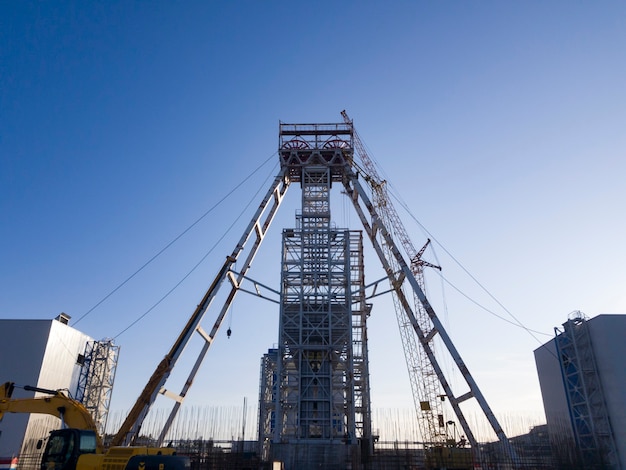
[(63, 318)]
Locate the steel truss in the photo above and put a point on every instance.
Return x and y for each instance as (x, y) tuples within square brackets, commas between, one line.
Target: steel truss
[(585, 398), (257, 227), (96, 378), (360, 361), (316, 391), (268, 391), (425, 387), (269, 383)]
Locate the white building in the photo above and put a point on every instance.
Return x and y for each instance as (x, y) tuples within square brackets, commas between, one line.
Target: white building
[(42, 353), (582, 374)]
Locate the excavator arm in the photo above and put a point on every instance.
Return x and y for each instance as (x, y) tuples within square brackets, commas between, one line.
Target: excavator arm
[(71, 412), (73, 448)]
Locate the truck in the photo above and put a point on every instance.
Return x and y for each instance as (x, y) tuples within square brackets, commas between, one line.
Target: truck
[(77, 445)]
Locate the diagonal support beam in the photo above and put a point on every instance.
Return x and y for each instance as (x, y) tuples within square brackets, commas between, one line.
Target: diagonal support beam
[(132, 425), (372, 226), (275, 195)]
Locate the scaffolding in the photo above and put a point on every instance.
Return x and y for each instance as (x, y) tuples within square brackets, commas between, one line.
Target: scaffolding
[(585, 398), (95, 382), (267, 402)]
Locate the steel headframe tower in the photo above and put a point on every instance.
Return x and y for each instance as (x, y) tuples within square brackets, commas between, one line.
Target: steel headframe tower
[(321, 366), (322, 399)]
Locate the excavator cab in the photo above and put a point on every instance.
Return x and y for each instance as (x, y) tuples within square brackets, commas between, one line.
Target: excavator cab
[(65, 446)]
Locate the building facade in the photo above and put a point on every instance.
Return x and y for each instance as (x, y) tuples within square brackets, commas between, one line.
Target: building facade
[(583, 385), (41, 353)]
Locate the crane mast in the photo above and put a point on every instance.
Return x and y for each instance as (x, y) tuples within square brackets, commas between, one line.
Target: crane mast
[(399, 272), (425, 387)]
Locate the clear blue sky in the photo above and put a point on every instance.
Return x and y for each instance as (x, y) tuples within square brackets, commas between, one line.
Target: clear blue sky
[(500, 124)]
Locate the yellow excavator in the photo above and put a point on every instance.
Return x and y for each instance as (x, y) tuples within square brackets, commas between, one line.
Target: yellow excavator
[(77, 445)]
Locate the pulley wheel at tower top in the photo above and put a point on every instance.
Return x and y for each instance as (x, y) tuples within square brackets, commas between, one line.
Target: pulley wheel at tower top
[(335, 144), (296, 144)]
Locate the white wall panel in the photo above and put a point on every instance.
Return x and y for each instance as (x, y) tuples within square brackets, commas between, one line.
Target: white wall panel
[(42, 353)]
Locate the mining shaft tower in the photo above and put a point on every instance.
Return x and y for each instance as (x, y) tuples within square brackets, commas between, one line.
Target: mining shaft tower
[(314, 392)]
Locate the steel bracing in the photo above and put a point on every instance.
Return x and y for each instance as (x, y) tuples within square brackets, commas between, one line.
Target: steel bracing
[(425, 386), (399, 273), (325, 347), (268, 385), (360, 361), (585, 398), (256, 229), (96, 378), (316, 389)]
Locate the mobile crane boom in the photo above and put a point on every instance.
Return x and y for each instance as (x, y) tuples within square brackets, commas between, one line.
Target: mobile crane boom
[(256, 229), (72, 413)]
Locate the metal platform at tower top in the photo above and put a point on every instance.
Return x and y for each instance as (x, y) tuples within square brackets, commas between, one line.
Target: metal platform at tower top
[(330, 145)]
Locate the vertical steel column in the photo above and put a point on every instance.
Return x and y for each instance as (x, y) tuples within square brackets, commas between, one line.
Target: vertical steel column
[(360, 360), (268, 390)]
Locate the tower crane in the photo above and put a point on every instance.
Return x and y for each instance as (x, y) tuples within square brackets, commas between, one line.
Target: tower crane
[(379, 219), (424, 382)]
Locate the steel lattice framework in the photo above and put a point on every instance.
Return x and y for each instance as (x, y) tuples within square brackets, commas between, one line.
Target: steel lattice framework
[(360, 362), (316, 390), (425, 386), (268, 384), (585, 398), (295, 273), (95, 382)]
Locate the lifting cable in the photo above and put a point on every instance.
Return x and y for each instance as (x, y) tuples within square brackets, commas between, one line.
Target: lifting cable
[(178, 237), (516, 322), (391, 192), (229, 331), (230, 227)]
